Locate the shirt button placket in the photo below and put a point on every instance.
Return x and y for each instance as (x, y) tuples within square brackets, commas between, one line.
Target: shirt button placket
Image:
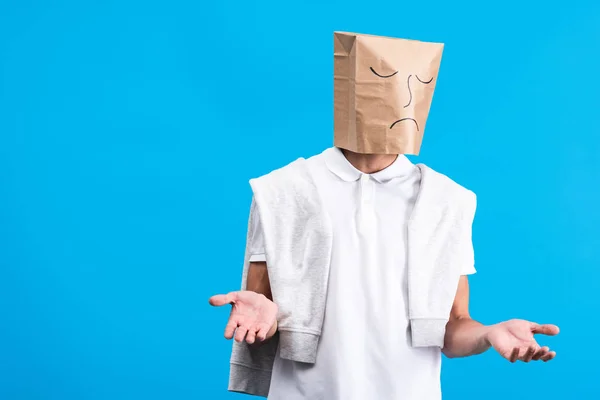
[(366, 196)]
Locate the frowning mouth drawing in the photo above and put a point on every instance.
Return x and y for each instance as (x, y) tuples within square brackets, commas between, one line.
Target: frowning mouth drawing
[(405, 119)]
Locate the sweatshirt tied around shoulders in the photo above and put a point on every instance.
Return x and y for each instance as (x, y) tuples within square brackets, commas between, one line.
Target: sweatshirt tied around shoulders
[(298, 241)]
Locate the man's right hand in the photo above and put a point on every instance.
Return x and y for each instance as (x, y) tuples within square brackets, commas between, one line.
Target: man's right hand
[(253, 316)]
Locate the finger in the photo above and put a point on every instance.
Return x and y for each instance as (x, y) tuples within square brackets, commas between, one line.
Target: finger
[(546, 329), (514, 355), (529, 354), (251, 336), (549, 356), (540, 353), (263, 330), (222, 299), (230, 327), (240, 333)]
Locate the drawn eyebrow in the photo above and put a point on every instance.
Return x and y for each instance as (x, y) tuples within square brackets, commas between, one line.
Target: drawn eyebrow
[(382, 76), (406, 119), (429, 81)]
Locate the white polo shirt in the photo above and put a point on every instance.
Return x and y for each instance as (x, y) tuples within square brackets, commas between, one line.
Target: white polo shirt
[(364, 351)]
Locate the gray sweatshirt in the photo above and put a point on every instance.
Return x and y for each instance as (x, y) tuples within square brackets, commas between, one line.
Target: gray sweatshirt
[(298, 239)]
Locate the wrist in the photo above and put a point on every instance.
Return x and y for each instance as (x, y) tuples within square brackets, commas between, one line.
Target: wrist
[(273, 330), (487, 334)]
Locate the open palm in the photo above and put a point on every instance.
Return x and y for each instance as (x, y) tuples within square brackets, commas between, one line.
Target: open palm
[(252, 315), (514, 340)]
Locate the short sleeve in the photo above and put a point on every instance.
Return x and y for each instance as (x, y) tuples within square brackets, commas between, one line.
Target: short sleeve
[(468, 268), (257, 243), (466, 243)]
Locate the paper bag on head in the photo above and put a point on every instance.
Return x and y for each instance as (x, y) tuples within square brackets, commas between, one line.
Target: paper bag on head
[(383, 89)]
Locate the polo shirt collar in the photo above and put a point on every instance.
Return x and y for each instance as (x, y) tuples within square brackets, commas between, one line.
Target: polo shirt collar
[(340, 166)]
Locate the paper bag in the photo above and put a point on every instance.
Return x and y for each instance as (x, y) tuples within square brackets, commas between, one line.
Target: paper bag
[(383, 89)]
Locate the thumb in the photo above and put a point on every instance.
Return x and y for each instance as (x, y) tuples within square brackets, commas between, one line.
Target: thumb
[(222, 299), (545, 329)]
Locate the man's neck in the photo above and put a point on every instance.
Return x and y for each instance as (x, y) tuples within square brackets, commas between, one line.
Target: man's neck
[(369, 163)]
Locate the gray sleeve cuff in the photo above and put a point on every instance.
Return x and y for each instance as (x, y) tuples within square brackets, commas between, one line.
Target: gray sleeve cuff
[(428, 332), (298, 346), (248, 380)]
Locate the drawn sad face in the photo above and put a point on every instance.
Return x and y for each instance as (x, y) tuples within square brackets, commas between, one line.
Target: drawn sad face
[(409, 91), (383, 89)]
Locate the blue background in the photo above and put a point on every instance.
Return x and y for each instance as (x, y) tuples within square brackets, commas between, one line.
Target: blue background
[(129, 130)]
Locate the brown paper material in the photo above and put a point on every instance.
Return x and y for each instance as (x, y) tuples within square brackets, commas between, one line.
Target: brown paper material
[(383, 89)]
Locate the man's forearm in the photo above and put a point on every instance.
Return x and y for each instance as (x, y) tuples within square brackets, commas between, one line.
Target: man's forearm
[(258, 281), (465, 337)]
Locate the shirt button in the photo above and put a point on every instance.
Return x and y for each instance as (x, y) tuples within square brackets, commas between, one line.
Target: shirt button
[(364, 177)]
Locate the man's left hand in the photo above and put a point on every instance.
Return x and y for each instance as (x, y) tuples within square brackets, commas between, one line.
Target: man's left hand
[(514, 340)]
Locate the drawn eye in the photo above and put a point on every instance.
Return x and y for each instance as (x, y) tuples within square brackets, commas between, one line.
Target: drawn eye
[(383, 76), (425, 82)]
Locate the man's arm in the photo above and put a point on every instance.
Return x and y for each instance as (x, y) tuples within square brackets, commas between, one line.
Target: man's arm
[(258, 281), (464, 336), (513, 340)]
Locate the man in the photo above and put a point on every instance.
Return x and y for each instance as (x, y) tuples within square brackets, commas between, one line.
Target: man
[(355, 275)]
